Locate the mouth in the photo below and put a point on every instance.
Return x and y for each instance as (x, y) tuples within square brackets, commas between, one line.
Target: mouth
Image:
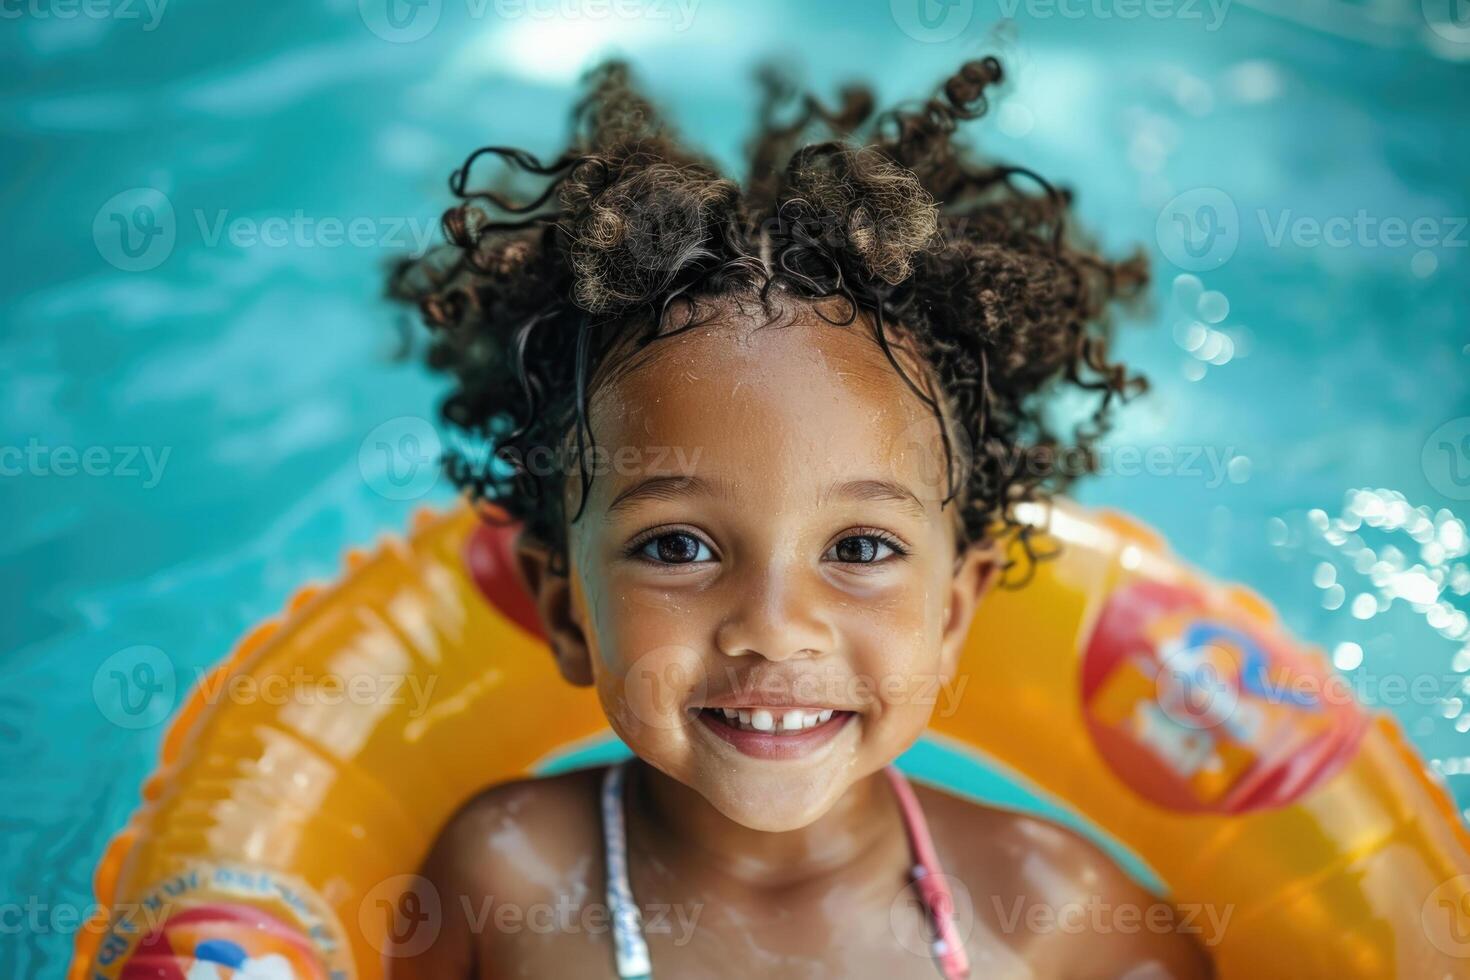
[(774, 733)]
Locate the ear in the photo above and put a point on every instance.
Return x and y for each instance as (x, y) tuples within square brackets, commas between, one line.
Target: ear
[(976, 571), (557, 607)]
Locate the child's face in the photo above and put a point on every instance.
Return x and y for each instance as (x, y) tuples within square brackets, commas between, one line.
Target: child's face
[(775, 580)]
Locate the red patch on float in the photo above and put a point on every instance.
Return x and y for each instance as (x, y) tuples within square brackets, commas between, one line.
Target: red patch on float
[(1198, 708)]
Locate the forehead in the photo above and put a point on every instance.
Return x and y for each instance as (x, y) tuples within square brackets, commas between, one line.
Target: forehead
[(770, 408)]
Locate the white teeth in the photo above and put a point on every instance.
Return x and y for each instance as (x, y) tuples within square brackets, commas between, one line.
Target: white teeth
[(766, 720)]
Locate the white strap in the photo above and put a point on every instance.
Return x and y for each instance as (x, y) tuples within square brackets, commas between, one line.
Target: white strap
[(627, 921)]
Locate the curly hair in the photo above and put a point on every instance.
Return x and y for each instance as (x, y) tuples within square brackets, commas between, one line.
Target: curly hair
[(885, 215)]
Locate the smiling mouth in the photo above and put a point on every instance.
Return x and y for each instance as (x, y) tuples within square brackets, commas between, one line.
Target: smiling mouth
[(774, 733), (772, 721)]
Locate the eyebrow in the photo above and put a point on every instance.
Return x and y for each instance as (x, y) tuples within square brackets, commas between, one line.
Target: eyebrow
[(670, 488), (673, 487), (890, 490)]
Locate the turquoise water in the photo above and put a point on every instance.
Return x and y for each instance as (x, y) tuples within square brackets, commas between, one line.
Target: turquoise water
[(193, 355)]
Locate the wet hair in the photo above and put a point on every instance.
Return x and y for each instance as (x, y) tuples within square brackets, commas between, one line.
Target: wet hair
[(630, 236)]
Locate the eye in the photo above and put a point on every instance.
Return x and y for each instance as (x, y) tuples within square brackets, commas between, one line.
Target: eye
[(672, 548), (867, 549)]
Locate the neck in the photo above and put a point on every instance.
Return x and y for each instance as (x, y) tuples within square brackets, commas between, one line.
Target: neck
[(864, 826)]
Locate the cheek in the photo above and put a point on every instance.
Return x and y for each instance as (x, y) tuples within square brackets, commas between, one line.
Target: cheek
[(648, 666), (897, 653)]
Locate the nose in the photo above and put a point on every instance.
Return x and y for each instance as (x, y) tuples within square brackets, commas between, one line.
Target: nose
[(776, 613)]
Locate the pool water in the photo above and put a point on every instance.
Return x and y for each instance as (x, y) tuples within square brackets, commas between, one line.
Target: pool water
[(195, 364)]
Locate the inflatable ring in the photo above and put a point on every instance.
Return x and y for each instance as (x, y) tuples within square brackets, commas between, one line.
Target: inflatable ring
[(1171, 711)]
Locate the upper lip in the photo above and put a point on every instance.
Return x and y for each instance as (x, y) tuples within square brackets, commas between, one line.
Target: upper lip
[(770, 702)]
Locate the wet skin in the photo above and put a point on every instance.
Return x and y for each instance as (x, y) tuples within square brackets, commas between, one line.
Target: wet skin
[(774, 541)]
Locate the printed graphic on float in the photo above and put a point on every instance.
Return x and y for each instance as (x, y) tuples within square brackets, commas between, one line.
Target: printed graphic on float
[(220, 923), (1197, 707)]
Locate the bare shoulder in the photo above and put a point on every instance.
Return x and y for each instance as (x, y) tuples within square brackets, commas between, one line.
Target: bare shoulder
[(1050, 902), (522, 837), (516, 845)]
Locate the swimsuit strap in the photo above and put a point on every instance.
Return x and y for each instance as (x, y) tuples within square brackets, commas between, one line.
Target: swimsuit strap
[(931, 882), (627, 922)]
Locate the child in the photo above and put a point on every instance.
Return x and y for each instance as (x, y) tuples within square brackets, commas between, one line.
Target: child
[(764, 440)]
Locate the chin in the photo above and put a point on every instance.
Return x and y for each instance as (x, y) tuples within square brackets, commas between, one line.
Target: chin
[(770, 803), (774, 782)]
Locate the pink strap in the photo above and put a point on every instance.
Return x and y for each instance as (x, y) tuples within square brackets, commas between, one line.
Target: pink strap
[(930, 880)]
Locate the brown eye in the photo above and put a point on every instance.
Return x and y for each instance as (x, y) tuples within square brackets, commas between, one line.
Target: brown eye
[(862, 549), (677, 548)]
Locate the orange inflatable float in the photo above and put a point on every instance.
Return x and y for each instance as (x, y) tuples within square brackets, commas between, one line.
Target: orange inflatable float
[(279, 835)]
